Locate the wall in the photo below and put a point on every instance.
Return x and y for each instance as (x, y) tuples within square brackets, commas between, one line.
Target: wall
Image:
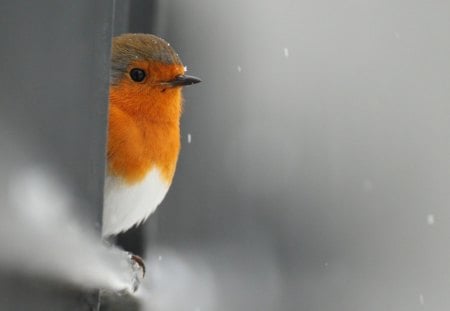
[(53, 103)]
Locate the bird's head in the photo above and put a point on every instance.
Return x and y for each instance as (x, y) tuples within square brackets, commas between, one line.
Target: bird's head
[(146, 77)]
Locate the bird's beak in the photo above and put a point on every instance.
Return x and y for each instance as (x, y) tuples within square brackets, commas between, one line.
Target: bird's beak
[(182, 80)]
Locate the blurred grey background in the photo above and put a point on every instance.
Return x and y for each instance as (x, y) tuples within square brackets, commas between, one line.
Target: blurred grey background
[(315, 165), (317, 175)]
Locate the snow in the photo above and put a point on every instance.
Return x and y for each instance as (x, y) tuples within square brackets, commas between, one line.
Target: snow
[(430, 219), (421, 299)]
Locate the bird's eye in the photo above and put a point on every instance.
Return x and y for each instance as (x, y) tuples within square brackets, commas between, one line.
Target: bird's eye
[(138, 75)]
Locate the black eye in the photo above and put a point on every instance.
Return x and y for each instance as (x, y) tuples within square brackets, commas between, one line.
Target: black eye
[(137, 74)]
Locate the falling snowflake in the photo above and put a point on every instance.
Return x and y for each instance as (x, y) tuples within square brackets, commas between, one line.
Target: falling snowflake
[(421, 299), (430, 219)]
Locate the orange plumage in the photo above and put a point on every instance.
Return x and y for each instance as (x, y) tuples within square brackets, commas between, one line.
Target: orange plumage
[(132, 120)]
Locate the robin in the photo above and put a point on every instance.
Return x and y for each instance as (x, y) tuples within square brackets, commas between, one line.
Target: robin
[(145, 105)]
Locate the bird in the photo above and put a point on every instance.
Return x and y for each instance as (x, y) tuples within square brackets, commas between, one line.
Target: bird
[(143, 138)]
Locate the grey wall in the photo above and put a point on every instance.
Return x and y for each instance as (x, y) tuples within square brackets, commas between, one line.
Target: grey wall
[(54, 61), (317, 177), (54, 58)]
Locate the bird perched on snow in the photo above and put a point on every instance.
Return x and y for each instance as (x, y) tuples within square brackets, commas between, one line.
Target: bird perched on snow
[(145, 104)]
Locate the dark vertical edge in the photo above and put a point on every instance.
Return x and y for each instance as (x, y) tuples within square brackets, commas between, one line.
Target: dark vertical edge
[(142, 16), (104, 13), (96, 177), (121, 16)]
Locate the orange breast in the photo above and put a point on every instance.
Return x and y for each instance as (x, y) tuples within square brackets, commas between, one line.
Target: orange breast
[(143, 130)]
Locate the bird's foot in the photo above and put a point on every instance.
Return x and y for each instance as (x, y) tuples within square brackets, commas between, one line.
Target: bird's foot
[(138, 267), (139, 262)]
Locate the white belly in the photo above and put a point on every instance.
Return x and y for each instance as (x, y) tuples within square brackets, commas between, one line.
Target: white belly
[(129, 205)]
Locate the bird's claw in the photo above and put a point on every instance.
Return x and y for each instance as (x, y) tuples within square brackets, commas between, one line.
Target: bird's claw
[(138, 270)]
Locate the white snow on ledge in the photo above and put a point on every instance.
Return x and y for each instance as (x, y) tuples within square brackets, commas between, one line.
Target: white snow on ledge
[(40, 235)]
